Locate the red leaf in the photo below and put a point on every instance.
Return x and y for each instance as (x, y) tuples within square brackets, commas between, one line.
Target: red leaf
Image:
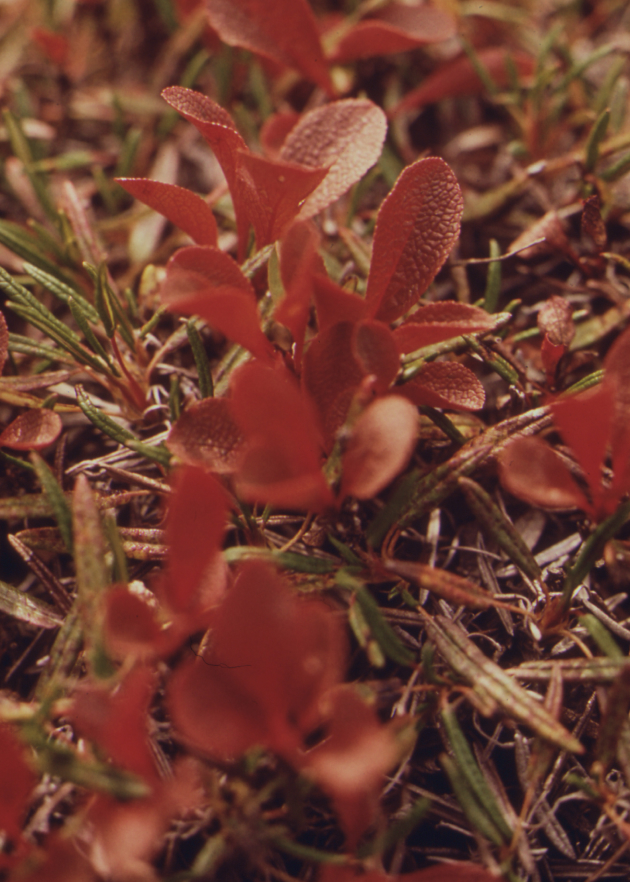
[(298, 261), (585, 422), (194, 530), (346, 137), (396, 28), (130, 626), (206, 435), (417, 226), (217, 127), (281, 463), (331, 375), (435, 322), (375, 350), (271, 193), (555, 319), (273, 656), (16, 782), (285, 31), (351, 763), (459, 77), (275, 130), (4, 341), (335, 304), (617, 374), (549, 227), (533, 471), (380, 445), (204, 281), (32, 430), (184, 209), (54, 45), (117, 721), (445, 384)]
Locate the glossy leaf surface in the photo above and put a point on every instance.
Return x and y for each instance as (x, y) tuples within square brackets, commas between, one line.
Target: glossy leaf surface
[(32, 430), (206, 435), (184, 209)]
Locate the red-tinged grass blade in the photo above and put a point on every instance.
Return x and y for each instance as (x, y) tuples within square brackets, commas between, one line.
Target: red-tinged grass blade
[(275, 131), (285, 31), (331, 375), (396, 28), (273, 656), (184, 209), (32, 430), (351, 763), (281, 461), (16, 782), (117, 721), (585, 422), (440, 321), (531, 470), (417, 226), (459, 77), (346, 137), (445, 384), (4, 341), (206, 435), (270, 193), (375, 350), (194, 530), (298, 261), (204, 281), (380, 446), (449, 586), (334, 304)]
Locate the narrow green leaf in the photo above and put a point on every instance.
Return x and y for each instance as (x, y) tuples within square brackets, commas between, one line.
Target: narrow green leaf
[(476, 816), (615, 717), (201, 360), (21, 606), (61, 290), (56, 498), (473, 774), (499, 528), (595, 138), (81, 319), (602, 636), (493, 279)]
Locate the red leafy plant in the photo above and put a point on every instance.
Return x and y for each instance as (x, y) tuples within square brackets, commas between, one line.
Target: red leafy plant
[(317, 163), (592, 423), (268, 673), (272, 431)]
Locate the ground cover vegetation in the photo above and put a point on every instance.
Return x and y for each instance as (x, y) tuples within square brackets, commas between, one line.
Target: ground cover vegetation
[(314, 402)]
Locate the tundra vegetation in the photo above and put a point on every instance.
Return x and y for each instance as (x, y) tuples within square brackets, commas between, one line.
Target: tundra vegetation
[(315, 409)]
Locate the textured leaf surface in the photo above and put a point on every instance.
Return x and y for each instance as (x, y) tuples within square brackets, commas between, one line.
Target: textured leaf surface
[(206, 435), (204, 281), (380, 446), (281, 461), (440, 321), (445, 384), (531, 470), (346, 137), (417, 226), (396, 28), (32, 430), (285, 30), (184, 209), (272, 658)]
